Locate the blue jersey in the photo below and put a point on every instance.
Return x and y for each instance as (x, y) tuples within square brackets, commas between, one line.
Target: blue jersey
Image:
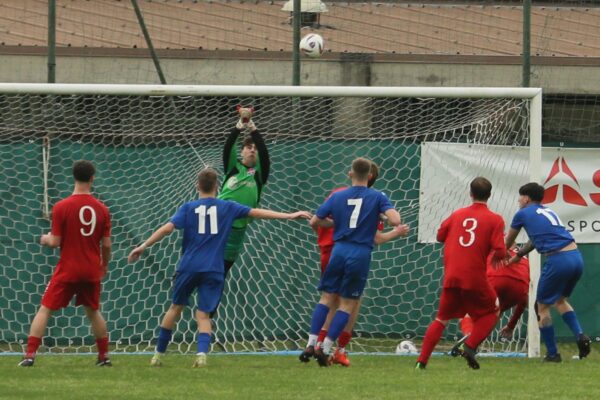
[(355, 212), (206, 224), (544, 228)]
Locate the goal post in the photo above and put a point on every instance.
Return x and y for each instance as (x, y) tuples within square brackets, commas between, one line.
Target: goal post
[(535, 175), (148, 143)]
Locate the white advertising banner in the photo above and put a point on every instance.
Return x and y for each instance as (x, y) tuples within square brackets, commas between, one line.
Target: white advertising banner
[(571, 178)]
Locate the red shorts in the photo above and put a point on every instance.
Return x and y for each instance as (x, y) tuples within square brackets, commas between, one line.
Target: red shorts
[(510, 291), (455, 303), (59, 294), (325, 256)]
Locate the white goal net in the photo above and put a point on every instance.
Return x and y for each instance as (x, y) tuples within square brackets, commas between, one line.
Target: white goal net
[(149, 142)]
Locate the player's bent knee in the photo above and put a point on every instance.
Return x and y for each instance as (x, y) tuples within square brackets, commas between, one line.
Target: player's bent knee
[(562, 301), (202, 315), (176, 308), (328, 299)]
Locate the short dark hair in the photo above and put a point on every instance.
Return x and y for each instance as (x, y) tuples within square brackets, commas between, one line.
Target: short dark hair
[(83, 170), (374, 174), (534, 190), (481, 188), (207, 180), (248, 141), (361, 168)]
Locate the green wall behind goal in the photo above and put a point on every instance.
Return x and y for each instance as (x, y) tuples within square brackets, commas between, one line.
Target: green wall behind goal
[(271, 291)]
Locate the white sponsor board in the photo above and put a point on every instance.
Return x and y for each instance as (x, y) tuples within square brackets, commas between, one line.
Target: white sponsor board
[(571, 178)]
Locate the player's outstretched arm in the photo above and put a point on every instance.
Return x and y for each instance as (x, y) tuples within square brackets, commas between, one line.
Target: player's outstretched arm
[(49, 240), (160, 233), (523, 251), (393, 217), (263, 152), (398, 231), (511, 236), (316, 222), (328, 223), (229, 150), (268, 214)]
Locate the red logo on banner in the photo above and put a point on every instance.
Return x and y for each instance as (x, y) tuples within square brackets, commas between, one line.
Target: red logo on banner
[(570, 194), (596, 179)]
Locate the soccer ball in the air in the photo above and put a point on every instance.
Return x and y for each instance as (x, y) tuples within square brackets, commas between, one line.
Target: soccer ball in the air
[(312, 45), (406, 347)]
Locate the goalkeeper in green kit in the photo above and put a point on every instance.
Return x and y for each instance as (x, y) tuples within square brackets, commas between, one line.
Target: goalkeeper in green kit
[(244, 178)]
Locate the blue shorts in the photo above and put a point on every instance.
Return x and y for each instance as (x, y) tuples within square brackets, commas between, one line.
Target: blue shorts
[(347, 271), (208, 284), (559, 276)]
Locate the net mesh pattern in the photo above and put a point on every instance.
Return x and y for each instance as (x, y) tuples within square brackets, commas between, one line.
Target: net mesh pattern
[(147, 151)]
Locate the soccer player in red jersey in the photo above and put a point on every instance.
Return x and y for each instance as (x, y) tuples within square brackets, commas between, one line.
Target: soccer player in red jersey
[(469, 235), (81, 228), (511, 284)]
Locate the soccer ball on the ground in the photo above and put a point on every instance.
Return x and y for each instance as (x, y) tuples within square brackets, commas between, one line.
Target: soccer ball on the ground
[(312, 45), (406, 347)]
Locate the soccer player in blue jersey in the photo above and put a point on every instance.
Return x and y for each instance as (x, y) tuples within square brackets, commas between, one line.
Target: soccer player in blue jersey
[(355, 215), (206, 224), (561, 271)]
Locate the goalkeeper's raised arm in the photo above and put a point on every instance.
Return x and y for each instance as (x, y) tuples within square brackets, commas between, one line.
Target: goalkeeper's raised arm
[(254, 153), (246, 173)]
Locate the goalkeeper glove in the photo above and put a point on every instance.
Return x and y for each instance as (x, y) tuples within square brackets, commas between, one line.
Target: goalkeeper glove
[(240, 125)]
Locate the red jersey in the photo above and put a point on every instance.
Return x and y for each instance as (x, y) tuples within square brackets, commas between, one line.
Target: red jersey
[(469, 235), (81, 221), (325, 235), (518, 271)]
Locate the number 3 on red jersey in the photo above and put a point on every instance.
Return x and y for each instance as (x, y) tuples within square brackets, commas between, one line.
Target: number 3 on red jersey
[(470, 224)]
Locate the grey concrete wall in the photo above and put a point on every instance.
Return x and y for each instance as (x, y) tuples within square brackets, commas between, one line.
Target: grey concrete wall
[(78, 69)]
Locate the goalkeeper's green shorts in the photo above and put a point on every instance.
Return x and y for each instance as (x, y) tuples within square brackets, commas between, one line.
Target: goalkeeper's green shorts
[(234, 245)]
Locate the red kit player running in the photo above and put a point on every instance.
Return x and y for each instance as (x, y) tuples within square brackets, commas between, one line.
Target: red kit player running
[(469, 235)]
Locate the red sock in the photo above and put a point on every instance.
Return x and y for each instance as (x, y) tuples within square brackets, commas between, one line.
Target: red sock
[(344, 339), (466, 325), (33, 343), (322, 336), (432, 337), (482, 327), (102, 346)]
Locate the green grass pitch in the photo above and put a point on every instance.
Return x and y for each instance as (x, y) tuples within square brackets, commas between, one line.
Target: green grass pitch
[(284, 377)]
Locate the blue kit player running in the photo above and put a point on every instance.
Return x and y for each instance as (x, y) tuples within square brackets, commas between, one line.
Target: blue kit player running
[(355, 213), (561, 271), (206, 224)]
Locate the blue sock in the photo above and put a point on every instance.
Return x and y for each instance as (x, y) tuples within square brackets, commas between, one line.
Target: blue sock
[(571, 320), (547, 333), (164, 337), (318, 318), (339, 321), (203, 342)]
